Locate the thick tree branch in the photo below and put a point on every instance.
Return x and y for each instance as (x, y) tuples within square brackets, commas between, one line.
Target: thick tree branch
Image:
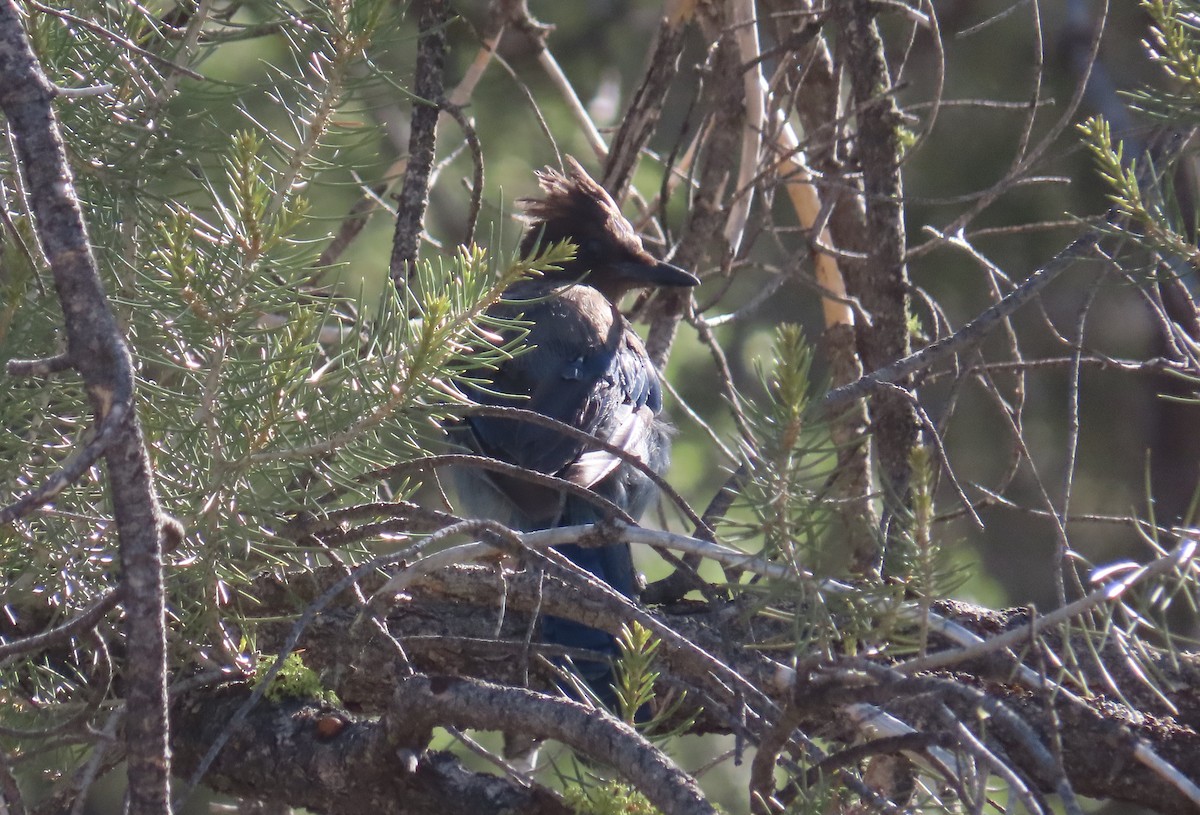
[(880, 283), (98, 352), (450, 622), (428, 702), (328, 761)]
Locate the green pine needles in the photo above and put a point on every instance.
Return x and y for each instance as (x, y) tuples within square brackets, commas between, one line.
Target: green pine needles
[(1141, 192), (787, 458), (264, 392)]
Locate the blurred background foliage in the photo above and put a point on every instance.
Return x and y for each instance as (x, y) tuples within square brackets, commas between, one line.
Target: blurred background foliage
[(165, 178), (1000, 60)]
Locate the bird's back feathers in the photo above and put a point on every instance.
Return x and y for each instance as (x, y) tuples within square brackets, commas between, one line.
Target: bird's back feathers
[(584, 367)]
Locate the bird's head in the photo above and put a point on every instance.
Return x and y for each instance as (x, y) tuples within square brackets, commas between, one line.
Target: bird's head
[(609, 254)]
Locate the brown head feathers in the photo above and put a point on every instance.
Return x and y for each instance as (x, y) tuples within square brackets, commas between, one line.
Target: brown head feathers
[(575, 206), (609, 254)]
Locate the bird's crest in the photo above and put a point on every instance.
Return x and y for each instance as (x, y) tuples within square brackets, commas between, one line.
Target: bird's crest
[(574, 206)]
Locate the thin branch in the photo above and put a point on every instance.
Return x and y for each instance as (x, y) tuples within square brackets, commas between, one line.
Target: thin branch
[(1180, 558), (413, 199), (472, 139), (1165, 770), (72, 469), (971, 334), (351, 226), (112, 36), (574, 433), (64, 633), (509, 470), (537, 32)]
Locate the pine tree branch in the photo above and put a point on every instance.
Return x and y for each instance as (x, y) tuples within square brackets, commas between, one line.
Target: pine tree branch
[(98, 352), (448, 620), (422, 703), (428, 87), (332, 762)]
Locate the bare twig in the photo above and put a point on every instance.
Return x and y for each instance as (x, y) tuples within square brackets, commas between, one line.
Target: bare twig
[(413, 198), (64, 633), (351, 226), (509, 470), (112, 36), (72, 469), (472, 139), (973, 332)]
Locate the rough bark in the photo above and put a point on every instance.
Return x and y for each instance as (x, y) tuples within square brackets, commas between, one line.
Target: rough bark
[(97, 351), (329, 761)]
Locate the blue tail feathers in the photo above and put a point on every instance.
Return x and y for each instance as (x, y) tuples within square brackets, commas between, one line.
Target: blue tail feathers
[(614, 565)]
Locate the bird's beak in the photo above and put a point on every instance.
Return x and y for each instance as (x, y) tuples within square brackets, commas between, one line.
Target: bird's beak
[(659, 274)]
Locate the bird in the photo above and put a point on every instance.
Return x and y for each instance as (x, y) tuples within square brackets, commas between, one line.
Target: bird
[(585, 366)]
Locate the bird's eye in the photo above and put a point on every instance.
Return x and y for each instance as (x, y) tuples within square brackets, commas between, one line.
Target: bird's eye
[(589, 246)]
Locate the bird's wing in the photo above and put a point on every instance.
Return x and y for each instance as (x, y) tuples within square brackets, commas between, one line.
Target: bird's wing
[(596, 378), (622, 409)]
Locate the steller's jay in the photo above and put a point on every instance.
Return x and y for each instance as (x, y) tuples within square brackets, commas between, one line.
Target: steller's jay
[(587, 368)]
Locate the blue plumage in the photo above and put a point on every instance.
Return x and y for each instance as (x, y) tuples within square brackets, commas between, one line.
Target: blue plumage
[(585, 367)]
